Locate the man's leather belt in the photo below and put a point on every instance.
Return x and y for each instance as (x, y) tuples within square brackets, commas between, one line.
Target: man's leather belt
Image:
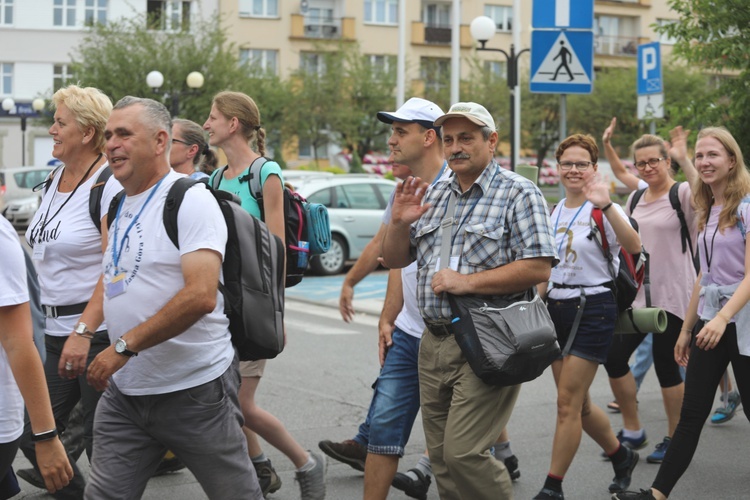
[(439, 328), (57, 311)]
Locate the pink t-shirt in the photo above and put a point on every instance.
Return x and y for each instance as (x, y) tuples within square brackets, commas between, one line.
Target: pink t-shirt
[(671, 271)]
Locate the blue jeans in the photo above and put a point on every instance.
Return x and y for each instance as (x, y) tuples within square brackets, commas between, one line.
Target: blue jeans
[(644, 358), (202, 425), (395, 403)]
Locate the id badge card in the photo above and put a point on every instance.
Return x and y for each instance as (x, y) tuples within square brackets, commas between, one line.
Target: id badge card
[(38, 252), (453, 264), (117, 286)]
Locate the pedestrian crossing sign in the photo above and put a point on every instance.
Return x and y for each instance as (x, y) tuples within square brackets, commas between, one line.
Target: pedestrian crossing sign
[(562, 62)]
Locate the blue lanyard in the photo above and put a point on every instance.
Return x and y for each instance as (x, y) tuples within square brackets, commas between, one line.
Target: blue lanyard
[(559, 248), (117, 252), (440, 174)]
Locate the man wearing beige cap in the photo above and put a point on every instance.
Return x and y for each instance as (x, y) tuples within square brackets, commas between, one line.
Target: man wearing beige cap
[(501, 244)]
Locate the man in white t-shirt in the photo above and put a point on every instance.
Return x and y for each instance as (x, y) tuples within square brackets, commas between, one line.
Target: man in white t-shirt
[(171, 374)]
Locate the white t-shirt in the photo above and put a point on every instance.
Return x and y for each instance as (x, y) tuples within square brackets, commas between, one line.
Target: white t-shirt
[(13, 291), (581, 259), (153, 274), (409, 319), (67, 249)]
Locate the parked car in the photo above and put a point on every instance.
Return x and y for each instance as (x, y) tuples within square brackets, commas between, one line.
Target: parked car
[(19, 201), (355, 207)]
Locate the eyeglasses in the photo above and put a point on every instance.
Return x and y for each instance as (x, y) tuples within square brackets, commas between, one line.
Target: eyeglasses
[(581, 166), (651, 162), (181, 142)]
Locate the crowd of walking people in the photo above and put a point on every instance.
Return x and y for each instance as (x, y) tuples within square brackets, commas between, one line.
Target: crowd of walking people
[(135, 331)]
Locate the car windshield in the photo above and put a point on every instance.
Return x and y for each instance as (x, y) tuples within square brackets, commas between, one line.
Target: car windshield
[(27, 180)]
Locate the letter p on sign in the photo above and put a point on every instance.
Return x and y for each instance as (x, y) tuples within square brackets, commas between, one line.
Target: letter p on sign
[(648, 63)]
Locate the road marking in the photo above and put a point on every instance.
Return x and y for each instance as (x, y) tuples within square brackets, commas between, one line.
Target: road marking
[(316, 329), (327, 312)]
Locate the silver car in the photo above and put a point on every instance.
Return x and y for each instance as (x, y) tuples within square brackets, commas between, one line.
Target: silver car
[(355, 205), (19, 201)]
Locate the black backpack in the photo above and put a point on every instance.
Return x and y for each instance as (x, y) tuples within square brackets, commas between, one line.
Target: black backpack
[(95, 195), (674, 200), (296, 239), (253, 285)]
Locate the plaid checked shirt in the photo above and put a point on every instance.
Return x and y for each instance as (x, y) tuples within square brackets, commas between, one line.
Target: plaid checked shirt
[(501, 218)]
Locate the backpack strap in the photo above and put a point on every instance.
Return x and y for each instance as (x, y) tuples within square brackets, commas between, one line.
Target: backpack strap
[(217, 176), (635, 199), (687, 242), (599, 235), (95, 197), (254, 183), (172, 206)]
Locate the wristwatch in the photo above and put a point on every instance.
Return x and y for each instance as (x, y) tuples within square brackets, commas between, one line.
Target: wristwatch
[(121, 347), (83, 330)]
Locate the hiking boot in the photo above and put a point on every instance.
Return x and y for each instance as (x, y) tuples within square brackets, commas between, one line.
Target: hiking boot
[(633, 495), (32, 477), (548, 494), (267, 478), (726, 412), (312, 483), (657, 456), (415, 488), (168, 465), (633, 444), (349, 452), (511, 463), (624, 473)]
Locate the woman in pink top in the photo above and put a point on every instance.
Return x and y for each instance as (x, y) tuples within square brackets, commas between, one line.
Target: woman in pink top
[(718, 309), (672, 274)]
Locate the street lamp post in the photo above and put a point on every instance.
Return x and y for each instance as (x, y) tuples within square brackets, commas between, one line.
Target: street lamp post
[(36, 105), (194, 81), (482, 30)]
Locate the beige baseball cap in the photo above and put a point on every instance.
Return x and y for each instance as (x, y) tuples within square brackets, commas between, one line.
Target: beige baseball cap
[(475, 113)]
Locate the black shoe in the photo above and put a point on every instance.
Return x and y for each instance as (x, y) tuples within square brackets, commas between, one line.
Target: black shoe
[(349, 452), (269, 481), (511, 463), (624, 473), (32, 477), (548, 494), (634, 495), (168, 465), (413, 488)]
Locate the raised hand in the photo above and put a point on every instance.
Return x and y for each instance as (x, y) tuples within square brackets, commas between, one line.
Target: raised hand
[(407, 205), (595, 189), (609, 131), (678, 144)]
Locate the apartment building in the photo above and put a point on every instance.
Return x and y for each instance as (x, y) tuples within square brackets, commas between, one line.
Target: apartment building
[(37, 38), (281, 36)]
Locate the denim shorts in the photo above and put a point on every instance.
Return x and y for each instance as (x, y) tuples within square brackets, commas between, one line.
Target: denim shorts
[(595, 332), (395, 403)]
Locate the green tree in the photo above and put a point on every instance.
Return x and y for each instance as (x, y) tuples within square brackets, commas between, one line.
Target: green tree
[(714, 36), (491, 91), (116, 58)]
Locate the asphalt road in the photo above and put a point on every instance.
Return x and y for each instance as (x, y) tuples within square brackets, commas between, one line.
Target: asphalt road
[(320, 388)]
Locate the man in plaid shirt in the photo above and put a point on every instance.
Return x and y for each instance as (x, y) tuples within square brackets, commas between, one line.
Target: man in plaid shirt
[(502, 244)]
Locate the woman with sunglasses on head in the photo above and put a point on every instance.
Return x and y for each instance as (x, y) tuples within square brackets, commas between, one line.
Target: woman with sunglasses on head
[(671, 273), (584, 311), (717, 324)]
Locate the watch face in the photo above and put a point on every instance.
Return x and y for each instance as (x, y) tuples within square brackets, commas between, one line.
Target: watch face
[(120, 346)]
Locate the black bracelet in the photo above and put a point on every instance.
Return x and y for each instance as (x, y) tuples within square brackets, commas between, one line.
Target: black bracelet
[(605, 207), (44, 436)]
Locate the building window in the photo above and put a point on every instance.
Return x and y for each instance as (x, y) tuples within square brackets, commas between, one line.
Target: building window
[(381, 11), (168, 15), (663, 37), (381, 64), (306, 149), (502, 15), (435, 72), (259, 8), (497, 69), (6, 78), (616, 35), (312, 63), (61, 76), (437, 15), (96, 12), (260, 60), (6, 12), (64, 13)]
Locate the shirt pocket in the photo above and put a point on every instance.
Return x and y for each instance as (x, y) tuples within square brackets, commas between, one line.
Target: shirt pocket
[(482, 245), (428, 244)]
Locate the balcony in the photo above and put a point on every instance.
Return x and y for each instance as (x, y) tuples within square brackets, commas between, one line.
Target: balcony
[(625, 46), (322, 28), (634, 3), (423, 34)]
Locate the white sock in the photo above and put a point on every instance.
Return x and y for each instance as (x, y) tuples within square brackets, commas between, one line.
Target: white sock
[(502, 450), (310, 465), (633, 434)]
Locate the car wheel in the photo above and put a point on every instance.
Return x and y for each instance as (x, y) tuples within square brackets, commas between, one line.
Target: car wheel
[(333, 261)]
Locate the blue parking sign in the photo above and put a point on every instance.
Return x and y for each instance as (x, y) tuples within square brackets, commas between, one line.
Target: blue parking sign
[(649, 69)]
